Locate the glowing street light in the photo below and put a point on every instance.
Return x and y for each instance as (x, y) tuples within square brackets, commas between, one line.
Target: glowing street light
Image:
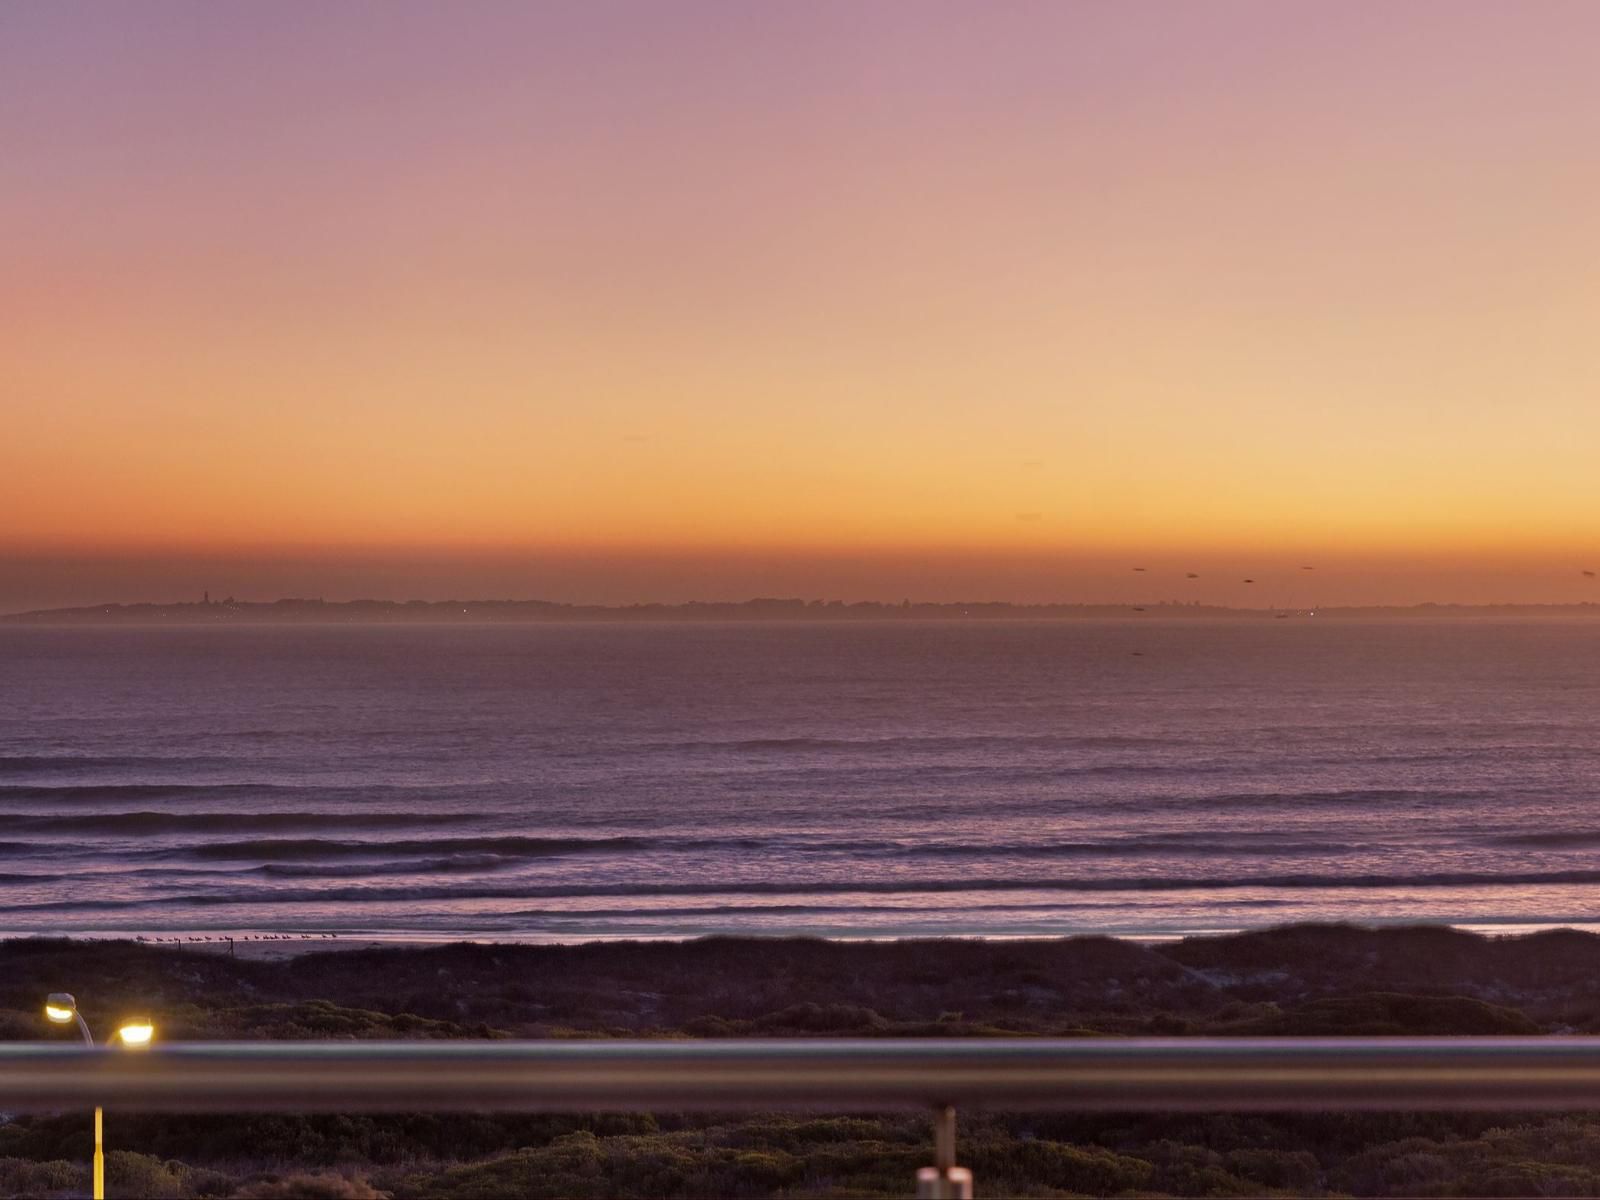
[(136, 1032), (60, 1008)]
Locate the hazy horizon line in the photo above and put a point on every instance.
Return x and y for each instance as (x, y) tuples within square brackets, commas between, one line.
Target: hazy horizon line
[(818, 605), (1132, 576)]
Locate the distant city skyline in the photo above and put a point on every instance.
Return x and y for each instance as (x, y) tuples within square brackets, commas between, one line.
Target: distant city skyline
[(632, 302)]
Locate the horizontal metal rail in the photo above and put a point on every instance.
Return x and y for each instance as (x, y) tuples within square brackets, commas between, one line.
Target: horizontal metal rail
[(858, 1075)]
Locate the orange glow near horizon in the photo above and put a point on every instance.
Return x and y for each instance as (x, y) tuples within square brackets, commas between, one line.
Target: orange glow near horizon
[(805, 283)]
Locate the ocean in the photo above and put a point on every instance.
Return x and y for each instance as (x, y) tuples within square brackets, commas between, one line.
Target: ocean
[(845, 779)]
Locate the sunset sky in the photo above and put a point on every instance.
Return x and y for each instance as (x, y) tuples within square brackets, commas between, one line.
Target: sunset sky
[(623, 301)]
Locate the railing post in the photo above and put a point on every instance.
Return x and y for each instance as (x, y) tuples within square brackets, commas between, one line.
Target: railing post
[(944, 1180), (98, 1180)]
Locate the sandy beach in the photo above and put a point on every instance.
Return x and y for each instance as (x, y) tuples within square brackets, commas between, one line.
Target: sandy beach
[(267, 947)]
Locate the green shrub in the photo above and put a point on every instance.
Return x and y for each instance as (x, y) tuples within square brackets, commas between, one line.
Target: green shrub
[(143, 1177), (40, 1180), (1070, 1168), (311, 1187)]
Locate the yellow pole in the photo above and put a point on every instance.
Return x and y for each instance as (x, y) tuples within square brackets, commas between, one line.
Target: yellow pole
[(99, 1161)]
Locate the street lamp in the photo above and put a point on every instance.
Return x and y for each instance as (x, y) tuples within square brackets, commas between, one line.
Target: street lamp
[(61, 1009), (136, 1031)]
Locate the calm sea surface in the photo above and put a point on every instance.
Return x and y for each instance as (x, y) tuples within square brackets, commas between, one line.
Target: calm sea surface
[(564, 782)]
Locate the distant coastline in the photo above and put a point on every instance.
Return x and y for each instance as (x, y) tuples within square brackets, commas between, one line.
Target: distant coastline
[(290, 611)]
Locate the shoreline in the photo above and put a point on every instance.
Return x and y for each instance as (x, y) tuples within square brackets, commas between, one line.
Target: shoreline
[(1228, 984), (1309, 981), (259, 946)]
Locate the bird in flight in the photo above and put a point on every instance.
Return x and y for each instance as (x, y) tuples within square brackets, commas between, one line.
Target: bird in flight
[(1138, 568), (1191, 575), (1249, 580), (1590, 574)]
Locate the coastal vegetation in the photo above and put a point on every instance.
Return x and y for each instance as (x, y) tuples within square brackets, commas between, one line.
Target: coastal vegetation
[(1312, 980)]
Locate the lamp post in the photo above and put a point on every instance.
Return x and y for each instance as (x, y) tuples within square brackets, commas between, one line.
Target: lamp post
[(61, 1009)]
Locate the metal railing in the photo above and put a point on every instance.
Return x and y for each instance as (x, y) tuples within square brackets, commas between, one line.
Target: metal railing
[(934, 1075)]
